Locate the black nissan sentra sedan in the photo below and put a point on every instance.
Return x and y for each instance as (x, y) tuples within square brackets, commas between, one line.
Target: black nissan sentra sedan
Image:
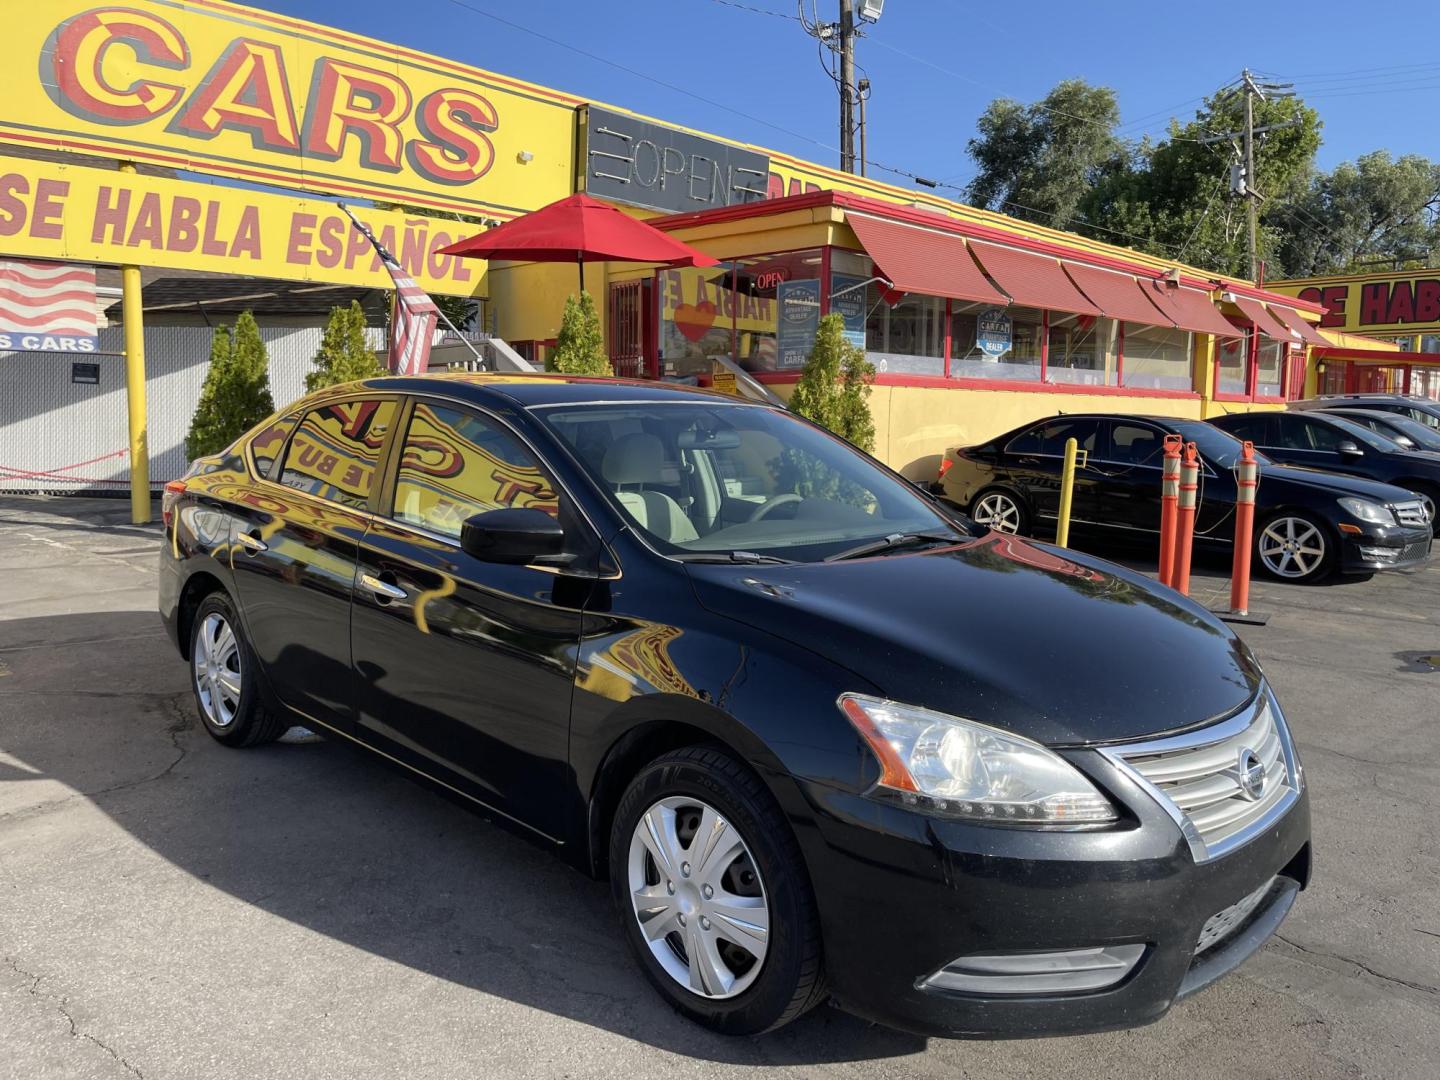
[(1308, 523), (826, 738)]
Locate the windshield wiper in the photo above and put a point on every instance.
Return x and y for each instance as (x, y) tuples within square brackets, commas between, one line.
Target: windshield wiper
[(890, 543), (730, 557)]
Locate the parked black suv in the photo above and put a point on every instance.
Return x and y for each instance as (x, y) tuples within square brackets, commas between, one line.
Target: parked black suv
[(824, 737), (1318, 439), (1307, 524)]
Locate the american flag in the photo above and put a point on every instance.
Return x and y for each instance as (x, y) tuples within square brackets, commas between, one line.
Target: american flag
[(413, 318), (47, 302)]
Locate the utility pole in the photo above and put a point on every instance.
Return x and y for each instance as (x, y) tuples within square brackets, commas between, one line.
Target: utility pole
[(1251, 207), (847, 86), (863, 86), (1242, 172)]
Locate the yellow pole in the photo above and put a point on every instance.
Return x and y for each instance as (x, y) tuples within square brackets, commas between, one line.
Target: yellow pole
[(134, 320), (1067, 488)]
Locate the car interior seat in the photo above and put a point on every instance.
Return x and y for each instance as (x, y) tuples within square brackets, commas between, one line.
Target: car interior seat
[(633, 465)]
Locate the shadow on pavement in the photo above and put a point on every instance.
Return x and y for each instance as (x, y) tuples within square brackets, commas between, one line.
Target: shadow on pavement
[(337, 841)]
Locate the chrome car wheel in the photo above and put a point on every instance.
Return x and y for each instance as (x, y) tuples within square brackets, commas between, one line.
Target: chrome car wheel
[(1291, 547), (698, 897), (216, 667), (997, 511)]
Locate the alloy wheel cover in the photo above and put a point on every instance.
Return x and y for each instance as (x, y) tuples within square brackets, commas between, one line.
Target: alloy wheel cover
[(708, 938), (216, 668), (999, 512), (1292, 547)]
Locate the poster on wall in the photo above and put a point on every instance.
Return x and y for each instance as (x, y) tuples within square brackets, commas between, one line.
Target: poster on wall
[(47, 307), (799, 319), (847, 297), (993, 330)]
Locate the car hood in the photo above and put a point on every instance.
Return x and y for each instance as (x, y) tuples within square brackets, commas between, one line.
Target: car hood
[(1059, 647), (1339, 483)]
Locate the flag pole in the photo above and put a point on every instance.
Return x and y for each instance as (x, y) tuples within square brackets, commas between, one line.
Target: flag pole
[(386, 255)]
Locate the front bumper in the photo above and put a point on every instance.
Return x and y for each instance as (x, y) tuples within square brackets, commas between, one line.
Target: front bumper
[(1385, 548), (903, 894)]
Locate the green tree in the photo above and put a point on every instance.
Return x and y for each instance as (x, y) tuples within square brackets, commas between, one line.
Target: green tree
[(1045, 157), (1376, 212), (236, 394), (580, 346), (834, 387), (344, 356)]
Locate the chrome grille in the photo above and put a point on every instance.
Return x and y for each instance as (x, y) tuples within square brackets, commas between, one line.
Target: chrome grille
[(1410, 513), (1197, 777), (1220, 925)]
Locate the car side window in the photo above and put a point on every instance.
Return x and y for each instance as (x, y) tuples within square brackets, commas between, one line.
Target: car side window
[(1049, 438), (1251, 428), (336, 448), (1135, 444), (456, 464), (1423, 417), (268, 442), (1323, 436)]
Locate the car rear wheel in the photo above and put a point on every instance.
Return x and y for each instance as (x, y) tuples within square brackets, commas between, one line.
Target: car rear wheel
[(1295, 547), (712, 894), (999, 510), (223, 675)]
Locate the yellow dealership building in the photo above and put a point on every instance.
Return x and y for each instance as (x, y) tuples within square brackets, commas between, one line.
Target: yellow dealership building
[(975, 322)]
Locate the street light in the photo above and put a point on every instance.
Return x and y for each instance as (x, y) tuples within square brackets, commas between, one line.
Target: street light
[(870, 10)]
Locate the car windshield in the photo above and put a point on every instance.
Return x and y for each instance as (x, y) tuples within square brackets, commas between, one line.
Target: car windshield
[(1217, 447), (721, 480), (1365, 435)]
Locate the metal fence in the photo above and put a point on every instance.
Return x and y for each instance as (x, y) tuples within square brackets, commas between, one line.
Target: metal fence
[(59, 435)]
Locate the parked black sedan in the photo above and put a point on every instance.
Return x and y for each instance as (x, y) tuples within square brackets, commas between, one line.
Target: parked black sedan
[(1421, 409), (807, 721), (1411, 434), (1308, 523), (1320, 439)]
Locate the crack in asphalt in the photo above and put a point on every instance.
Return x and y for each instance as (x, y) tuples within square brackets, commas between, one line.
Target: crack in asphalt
[(62, 1006), (179, 724), (1366, 968)]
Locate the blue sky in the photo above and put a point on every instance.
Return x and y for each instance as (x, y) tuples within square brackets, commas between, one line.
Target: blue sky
[(934, 64)]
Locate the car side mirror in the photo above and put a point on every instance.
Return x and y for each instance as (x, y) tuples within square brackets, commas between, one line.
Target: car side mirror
[(514, 536), (1405, 441), (1349, 448)]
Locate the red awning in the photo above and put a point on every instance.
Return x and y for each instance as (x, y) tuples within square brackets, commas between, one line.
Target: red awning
[(1190, 309), (1118, 295), (923, 260), (1266, 323), (1295, 321), (1031, 279)]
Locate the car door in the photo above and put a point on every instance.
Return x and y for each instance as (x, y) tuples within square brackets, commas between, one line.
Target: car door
[(465, 668), (1035, 460), (294, 545), (1127, 491), (1307, 441)]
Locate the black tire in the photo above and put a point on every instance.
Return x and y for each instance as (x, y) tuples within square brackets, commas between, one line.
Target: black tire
[(242, 720), (1300, 568), (790, 980), (1017, 520)]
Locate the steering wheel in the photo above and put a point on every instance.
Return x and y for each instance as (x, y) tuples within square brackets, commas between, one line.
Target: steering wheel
[(763, 510)]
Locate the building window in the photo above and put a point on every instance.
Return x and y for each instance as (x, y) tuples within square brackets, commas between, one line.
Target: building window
[(988, 342), (1083, 350), (1156, 358), (696, 318), (906, 337), (1231, 356), (1270, 364)]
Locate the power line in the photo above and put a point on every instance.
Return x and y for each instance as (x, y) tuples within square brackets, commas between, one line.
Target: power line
[(757, 10)]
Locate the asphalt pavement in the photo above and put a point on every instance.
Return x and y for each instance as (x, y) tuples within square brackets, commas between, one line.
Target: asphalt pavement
[(173, 909)]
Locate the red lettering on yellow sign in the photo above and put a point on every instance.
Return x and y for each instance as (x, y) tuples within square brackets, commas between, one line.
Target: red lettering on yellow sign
[(348, 99), (73, 65), (246, 90)]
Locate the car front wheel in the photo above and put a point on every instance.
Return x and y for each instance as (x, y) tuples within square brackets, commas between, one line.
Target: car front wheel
[(1295, 547), (712, 894), (224, 677)]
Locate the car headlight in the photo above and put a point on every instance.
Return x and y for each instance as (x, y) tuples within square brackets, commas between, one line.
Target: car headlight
[(962, 769), (1365, 510)]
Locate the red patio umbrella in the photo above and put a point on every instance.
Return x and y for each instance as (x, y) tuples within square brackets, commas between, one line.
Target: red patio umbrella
[(578, 227)]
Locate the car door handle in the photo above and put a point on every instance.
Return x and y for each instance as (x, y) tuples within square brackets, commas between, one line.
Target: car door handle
[(252, 544), (384, 591)]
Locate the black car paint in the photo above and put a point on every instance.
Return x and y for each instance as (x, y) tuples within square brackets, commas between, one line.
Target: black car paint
[(1124, 498), (1278, 434), (656, 653)]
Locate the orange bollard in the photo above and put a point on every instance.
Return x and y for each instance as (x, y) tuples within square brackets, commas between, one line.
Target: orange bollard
[(1247, 482), (1185, 519), (1169, 504)]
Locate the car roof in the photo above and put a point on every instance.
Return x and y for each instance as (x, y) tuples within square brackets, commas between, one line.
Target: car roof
[(544, 388)]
